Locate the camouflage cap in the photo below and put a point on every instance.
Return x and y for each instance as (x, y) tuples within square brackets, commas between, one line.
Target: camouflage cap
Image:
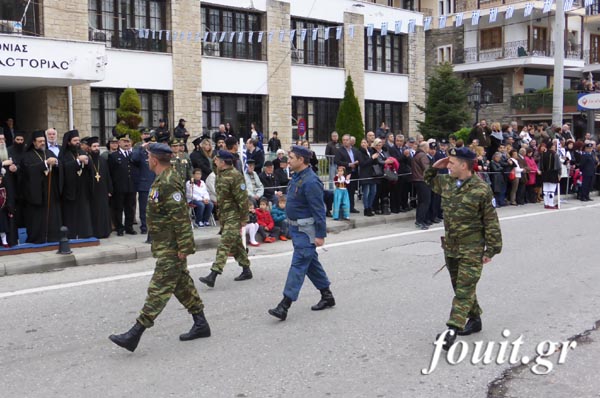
[(462, 153)]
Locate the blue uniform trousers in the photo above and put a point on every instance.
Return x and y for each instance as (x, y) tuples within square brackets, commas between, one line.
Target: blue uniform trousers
[(305, 262)]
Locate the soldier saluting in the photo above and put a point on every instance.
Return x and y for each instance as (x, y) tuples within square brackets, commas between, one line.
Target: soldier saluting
[(173, 241), (472, 235)]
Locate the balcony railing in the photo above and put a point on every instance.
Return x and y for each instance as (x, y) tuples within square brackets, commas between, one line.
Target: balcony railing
[(594, 9), (541, 101), (516, 49)]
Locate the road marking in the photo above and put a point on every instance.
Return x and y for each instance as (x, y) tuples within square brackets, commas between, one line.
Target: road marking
[(95, 281)]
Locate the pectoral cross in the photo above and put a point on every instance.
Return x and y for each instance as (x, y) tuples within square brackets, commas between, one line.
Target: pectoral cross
[(97, 177)]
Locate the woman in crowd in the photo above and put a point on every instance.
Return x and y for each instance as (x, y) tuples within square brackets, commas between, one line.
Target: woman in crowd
[(530, 193), (204, 158), (498, 179), (514, 183), (277, 160), (383, 186)]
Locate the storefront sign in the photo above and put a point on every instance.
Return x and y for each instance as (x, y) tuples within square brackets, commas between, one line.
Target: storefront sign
[(588, 102)]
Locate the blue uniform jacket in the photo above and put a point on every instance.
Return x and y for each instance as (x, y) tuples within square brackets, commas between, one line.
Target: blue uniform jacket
[(144, 178), (305, 200)]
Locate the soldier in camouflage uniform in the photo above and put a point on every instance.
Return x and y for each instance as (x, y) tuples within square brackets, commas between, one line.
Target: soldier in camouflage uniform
[(472, 235), (232, 199), (181, 161), (173, 241)]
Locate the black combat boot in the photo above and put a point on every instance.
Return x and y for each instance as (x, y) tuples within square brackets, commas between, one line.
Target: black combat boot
[(130, 339), (245, 275), (449, 339), (327, 300), (210, 279), (473, 326), (198, 330), (282, 308)]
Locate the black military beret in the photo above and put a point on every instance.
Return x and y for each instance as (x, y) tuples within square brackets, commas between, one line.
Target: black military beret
[(159, 149), (197, 141), (462, 153)]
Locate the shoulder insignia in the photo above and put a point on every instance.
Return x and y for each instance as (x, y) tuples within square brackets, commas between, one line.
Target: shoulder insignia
[(494, 202), (243, 187), (177, 197)]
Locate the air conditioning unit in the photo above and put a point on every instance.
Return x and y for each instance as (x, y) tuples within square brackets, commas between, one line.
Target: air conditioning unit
[(11, 27), (211, 48), (97, 35)]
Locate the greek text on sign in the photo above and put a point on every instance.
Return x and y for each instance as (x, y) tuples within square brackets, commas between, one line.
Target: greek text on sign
[(18, 58), (589, 102)]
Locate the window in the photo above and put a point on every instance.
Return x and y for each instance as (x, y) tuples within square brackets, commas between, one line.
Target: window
[(12, 11), (388, 112), (383, 53), (320, 115), (444, 54), (495, 85), (106, 101), (230, 20), (539, 44), (490, 38), (319, 51), (594, 49), (239, 110), (116, 22)]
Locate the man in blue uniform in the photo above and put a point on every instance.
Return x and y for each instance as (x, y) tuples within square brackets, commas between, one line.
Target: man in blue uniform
[(587, 165), (306, 213)]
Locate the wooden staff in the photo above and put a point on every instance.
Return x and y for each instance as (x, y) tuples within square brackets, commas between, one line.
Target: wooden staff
[(48, 208)]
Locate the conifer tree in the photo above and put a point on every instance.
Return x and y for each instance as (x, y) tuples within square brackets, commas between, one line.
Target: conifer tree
[(128, 114), (349, 119)]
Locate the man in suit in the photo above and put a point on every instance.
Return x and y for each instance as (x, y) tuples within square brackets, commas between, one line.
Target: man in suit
[(123, 199), (348, 156), (9, 131), (52, 141)]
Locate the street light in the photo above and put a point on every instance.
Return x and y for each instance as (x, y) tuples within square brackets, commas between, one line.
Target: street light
[(477, 101)]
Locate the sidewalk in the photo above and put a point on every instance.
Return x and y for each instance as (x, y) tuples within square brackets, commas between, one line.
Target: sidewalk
[(128, 247)]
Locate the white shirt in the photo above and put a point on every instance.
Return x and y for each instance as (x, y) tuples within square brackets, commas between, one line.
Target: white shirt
[(195, 192)]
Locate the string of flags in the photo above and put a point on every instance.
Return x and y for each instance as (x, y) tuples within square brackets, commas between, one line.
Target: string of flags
[(325, 32)]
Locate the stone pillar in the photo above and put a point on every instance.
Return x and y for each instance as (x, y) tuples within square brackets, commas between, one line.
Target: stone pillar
[(416, 82), (187, 77), (279, 68), (354, 56)]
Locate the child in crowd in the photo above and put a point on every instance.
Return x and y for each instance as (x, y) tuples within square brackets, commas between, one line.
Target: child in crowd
[(267, 228), (252, 225), (280, 219), (196, 193), (340, 195)]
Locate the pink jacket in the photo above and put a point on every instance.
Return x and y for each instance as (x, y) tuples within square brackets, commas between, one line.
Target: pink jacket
[(533, 169)]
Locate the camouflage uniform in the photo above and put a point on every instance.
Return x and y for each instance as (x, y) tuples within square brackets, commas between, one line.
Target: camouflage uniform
[(168, 223), (232, 212), (472, 232), (183, 165)]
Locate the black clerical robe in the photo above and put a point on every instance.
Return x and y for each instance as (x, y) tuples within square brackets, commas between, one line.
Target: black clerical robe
[(76, 193), (40, 190), (99, 200)]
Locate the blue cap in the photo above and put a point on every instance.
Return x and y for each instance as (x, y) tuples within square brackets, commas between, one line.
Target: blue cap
[(222, 154), (301, 151), (159, 149), (462, 153)]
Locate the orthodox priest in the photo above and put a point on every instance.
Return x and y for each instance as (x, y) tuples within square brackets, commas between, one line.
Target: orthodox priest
[(40, 185), (101, 184), (76, 187)]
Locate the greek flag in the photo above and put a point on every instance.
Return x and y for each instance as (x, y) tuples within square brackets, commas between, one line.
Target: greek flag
[(568, 5), (398, 27), (493, 14), (384, 28), (509, 12), (547, 6), (475, 17), (528, 10), (426, 23), (442, 21), (459, 19), (411, 25), (242, 154)]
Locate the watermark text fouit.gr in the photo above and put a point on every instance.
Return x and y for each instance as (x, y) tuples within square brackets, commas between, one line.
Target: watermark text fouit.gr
[(500, 352)]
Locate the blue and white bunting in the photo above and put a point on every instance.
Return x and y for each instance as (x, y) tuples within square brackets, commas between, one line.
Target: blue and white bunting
[(426, 23), (508, 14), (197, 38), (168, 35), (222, 37), (411, 25), (528, 10), (547, 6), (215, 36), (303, 34), (338, 33), (260, 36), (370, 28), (231, 37), (292, 34), (270, 36), (327, 29), (204, 39), (475, 17), (568, 5), (351, 31), (240, 37), (442, 22), (315, 34), (398, 27), (250, 36), (175, 35), (588, 3), (458, 20), (140, 33), (182, 36), (281, 35), (384, 28), (493, 14)]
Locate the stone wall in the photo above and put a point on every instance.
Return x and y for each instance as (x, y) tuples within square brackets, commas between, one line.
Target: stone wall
[(279, 72), (187, 78), (415, 66), (65, 19), (500, 112), (354, 56)]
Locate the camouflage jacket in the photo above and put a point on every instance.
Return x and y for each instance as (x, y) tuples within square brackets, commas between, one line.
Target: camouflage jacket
[(183, 165), (232, 196), (470, 219), (168, 216)]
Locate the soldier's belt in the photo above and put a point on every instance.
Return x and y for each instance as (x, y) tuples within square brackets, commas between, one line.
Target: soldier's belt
[(477, 238), (302, 221)]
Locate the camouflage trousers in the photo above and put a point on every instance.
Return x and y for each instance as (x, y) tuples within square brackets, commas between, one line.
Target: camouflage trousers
[(231, 243), (464, 275), (171, 277)]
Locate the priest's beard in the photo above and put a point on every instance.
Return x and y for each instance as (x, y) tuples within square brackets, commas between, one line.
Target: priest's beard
[(3, 152)]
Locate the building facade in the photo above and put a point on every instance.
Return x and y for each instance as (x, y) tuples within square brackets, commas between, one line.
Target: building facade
[(188, 59)]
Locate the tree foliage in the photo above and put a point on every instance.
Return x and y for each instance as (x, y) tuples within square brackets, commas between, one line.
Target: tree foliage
[(446, 106), (349, 119), (128, 114)]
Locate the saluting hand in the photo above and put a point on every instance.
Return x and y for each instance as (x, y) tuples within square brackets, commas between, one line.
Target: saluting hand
[(441, 164)]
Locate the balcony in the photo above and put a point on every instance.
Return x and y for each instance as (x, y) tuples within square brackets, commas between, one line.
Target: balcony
[(541, 102), (516, 49), (469, 5)]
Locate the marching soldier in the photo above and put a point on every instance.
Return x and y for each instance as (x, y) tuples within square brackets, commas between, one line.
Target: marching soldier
[(181, 161), (173, 241), (233, 215), (472, 235), (306, 213)]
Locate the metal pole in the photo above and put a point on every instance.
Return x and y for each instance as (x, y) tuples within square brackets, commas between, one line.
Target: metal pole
[(559, 58), (591, 123), (70, 100), (476, 113)]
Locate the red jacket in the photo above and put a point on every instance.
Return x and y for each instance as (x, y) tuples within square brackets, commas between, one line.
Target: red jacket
[(264, 218)]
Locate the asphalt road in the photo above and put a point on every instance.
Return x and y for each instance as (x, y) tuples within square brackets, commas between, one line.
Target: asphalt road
[(544, 286)]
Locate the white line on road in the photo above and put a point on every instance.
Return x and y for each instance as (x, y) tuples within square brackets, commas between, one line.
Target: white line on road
[(61, 286)]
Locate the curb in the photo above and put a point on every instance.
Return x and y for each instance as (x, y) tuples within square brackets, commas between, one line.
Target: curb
[(44, 262)]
